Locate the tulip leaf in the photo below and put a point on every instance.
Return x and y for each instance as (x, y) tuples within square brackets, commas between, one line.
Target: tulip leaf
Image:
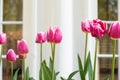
[(15, 75), (87, 63), (71, 75), (46, 74), (90, 70), (82, 74), (31, 78), (27, 74), (106, 78), (62, 78)]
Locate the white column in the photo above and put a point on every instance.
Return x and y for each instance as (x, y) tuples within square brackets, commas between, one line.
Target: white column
[(65, 55), (29, 33), (1, 18), (119, 42)]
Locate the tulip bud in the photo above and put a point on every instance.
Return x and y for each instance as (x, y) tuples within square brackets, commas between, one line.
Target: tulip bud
[(41, 37), (114, 30), (3, 38), (11, 56), (22, 47), (57, 35), (50, 35), (85, 25)]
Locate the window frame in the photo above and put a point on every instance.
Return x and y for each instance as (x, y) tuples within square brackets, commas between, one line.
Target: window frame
[(110, 55)]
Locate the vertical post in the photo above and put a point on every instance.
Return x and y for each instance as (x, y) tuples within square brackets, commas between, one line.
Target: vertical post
[(30, 24), (66, 46), (1, 19)]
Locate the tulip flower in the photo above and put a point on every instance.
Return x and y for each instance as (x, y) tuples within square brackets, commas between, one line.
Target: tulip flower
[(41, 37), (22, 47), (57, 35), (85, 25), (98, 28), (114, 30), (114, 33), (3, 38), (11, 56), (54, 35), (50, 35)]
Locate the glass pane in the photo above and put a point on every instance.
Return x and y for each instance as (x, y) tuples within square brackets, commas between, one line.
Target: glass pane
[(106, 45), (107, 10), (105, 68), (6, 71), (12, 10), (14, 33)]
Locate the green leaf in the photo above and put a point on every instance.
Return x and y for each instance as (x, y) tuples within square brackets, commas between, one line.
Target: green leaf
[(106, 78), (27, 74), (31, 78), (50, 64), (62, 78), (82, 73), (71, 75), (46, 74), (90, 70), (87, 63), (15, 75)]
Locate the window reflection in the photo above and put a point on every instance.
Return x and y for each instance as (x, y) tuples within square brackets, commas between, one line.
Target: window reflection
[(12, 10), (107, 10)]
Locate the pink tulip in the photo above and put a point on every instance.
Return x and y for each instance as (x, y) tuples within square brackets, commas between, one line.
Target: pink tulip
[(3, 38), (114, 30), (54, 35), (98, 28), (57, 35), (50, 35), (85, 25), (11, 56), (22, 47), (41, 37)]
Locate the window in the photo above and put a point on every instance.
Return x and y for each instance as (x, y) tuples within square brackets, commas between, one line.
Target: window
[(107, 11), (11, 24)]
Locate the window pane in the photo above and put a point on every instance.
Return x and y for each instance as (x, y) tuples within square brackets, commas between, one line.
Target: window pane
[(107, 10), (6, 71), (106, 45), (105, 68), (14, 33), (12, 10)]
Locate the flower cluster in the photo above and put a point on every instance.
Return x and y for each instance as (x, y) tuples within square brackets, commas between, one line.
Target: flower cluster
[(98, 28)]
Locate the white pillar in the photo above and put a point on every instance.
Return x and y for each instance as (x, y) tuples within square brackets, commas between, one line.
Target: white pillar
[(65, 54), (29, 34)]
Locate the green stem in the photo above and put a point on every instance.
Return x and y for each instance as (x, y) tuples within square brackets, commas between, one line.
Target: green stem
[(86, 42), (96, 47), (11, 64), (40, 53), (113, 59), (23, 70), (1, 53), (53, 58)]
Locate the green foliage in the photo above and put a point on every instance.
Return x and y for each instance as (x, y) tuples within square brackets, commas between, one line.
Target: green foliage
[(70, 76), (27, 75), (15, 75), (106, 78), (45, 72), (87, 67)]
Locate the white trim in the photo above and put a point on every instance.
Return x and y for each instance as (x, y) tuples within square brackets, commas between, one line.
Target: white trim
[(119, 41), (1, 14), (12, 22), (107, 55), (4, 56)]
